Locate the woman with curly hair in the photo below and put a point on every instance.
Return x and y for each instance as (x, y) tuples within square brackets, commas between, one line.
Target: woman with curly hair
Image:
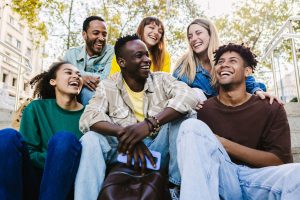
[(42, 159)]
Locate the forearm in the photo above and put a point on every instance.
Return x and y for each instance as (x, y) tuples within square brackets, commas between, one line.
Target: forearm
[(168, 115), (253, 157), (106, 128)]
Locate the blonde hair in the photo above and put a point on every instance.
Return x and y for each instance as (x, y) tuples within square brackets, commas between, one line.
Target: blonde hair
[(157, 52), (189, 60)]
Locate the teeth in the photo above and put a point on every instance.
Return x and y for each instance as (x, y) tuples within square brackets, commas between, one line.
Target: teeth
[(74, 83), (145, 67), (225, 73)]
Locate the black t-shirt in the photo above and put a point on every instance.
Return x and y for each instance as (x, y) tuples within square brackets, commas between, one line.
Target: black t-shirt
[(255, 124)]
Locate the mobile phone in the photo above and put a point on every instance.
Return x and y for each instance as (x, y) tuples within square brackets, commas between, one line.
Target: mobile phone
[(156, 155)]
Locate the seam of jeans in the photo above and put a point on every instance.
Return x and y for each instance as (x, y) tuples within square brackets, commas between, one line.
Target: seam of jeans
[(172, 180), (261, 186)]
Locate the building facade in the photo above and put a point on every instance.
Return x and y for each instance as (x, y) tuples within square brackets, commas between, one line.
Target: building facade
[(20, 57)]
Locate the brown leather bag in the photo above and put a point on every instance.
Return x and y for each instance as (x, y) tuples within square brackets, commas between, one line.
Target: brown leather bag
[(123, 183)]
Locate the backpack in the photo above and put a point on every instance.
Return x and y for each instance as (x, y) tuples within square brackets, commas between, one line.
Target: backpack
[(123, 183)]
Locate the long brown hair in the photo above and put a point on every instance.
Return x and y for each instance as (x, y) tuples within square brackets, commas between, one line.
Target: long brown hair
[(157, 52)]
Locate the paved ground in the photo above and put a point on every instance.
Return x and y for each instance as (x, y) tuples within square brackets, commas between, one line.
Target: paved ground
[(292, 109)]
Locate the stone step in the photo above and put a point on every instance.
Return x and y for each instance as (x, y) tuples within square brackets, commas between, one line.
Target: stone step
[(293, 113)]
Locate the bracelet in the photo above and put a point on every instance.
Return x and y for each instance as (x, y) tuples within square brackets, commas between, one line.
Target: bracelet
[(154, 129)]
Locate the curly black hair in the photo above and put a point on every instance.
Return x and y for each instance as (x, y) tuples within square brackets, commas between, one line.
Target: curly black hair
[(41, 82), (245, 52), (121, 41)]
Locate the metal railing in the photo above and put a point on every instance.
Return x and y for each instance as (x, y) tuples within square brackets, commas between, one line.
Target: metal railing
[(278, 38)]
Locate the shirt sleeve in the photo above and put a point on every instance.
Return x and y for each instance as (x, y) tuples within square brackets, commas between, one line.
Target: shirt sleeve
[(30, 131), (251, 85), (167, 63), (96, 110), (181, 97), (278, 140)]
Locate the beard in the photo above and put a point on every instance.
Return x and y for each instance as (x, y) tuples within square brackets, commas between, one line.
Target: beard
[(90, 45)]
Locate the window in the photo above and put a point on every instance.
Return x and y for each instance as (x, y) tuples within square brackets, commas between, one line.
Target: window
[(28, 52), (4, 77), (14, 81), (18, 44), (11, 20), (9, 38)]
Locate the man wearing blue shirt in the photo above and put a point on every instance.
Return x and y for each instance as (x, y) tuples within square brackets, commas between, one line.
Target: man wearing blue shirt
[(93, 59)]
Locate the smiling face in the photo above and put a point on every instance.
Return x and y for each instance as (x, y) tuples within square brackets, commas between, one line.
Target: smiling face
[(152, 34), (68, 80), (134, 61), (95, 37), (231, 69), (198, 38)]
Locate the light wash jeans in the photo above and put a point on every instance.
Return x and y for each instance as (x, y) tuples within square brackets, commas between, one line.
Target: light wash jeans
[(85, 95), (207, 172), (99, 150)]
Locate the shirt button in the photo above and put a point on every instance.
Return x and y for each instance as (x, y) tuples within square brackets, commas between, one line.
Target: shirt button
[(114, 114)]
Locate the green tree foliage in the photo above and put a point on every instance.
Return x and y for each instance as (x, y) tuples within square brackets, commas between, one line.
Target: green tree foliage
[(253, 22)]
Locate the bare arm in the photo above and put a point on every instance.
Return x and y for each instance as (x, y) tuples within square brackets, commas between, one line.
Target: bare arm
[(107, 128), (253, 157)]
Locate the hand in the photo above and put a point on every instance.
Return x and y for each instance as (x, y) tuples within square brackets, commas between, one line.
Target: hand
[(91, 82), (129, 136), (199, 105), (263, 95), (139, 153)]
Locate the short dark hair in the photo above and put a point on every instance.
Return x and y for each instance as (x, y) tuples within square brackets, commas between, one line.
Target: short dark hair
[(41, 82), (87, 21), (245, 52), (121, 41)]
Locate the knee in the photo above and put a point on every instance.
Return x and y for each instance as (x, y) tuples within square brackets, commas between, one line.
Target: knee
[(64, 142), (10, 138), (194, 128)]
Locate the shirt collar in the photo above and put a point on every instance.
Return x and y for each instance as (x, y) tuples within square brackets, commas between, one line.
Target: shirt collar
[(83, 53), (148, 85)]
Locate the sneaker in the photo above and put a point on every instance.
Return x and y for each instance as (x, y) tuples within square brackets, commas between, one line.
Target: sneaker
[(175, 193)]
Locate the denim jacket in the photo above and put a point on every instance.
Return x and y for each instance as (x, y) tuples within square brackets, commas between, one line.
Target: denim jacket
[(203, 81), (98, 66)]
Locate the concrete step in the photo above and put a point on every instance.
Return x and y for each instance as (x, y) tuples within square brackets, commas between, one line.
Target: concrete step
[(293, 113), (5, 118)]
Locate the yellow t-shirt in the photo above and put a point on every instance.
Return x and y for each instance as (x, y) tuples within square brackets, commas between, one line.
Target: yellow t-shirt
[(166, 65), (137, 100)]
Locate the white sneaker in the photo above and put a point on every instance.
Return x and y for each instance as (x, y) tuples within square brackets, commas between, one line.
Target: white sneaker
[(175, 193)]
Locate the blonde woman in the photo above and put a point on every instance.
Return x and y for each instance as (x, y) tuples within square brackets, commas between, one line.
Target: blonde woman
[(194, 67)]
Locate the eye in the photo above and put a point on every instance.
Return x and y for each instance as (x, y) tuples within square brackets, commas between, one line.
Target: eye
[(220, 62), (198, 32)]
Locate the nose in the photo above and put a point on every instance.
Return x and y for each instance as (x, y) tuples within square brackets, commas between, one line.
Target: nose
[(101, 37), (146, 59)]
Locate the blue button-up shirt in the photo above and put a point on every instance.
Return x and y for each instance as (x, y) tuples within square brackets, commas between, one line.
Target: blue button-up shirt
[(99, 65), (203, 81)]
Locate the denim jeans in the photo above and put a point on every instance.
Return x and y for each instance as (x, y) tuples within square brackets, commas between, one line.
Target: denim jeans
[(19, 179), (208, 173), (85, 95), (99, 150)]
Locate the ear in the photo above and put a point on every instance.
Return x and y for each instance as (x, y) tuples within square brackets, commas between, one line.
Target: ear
[(248, 71), (84, 35), (52, 82), (121, 62)]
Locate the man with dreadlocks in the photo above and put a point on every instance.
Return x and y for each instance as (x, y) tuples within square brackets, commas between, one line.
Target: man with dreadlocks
[(238, 149)]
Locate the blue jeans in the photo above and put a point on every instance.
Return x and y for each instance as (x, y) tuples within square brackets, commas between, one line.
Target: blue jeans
[(19, 179), (99, 150), (208, 173), (85, 95)]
